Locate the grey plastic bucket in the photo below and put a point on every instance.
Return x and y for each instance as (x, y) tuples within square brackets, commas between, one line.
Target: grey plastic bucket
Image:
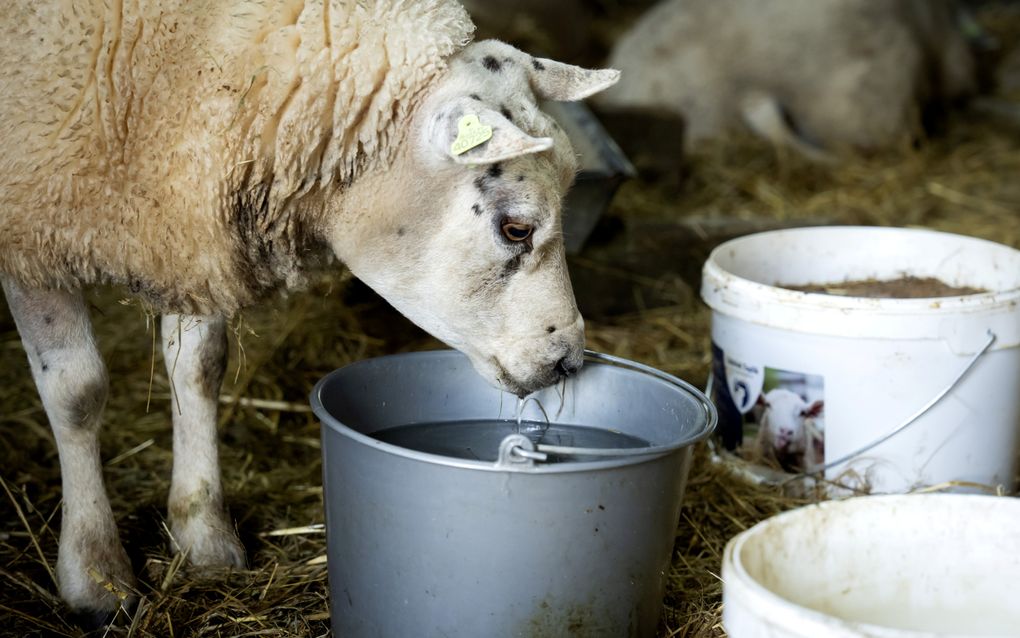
[(423, 545)]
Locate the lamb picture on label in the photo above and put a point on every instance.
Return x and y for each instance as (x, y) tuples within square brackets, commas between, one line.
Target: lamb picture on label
[(791, 430), (786, 425), (770, 416)]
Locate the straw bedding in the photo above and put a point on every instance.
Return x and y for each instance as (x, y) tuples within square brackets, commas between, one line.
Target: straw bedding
[(965, 181)]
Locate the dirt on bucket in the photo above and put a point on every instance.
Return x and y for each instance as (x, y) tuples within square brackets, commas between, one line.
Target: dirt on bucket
[(907, 287)]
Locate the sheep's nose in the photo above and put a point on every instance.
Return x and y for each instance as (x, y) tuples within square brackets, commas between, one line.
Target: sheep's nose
[(564, 367)]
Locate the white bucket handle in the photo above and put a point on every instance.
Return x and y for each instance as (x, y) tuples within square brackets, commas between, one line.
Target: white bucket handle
[(909, 422), (912, 418)]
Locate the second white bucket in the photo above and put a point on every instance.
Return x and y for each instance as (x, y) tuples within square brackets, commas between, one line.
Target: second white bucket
[(893, 566), (943, 373)]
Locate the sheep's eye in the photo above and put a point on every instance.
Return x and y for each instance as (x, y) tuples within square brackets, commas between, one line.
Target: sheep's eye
[(516, 232)]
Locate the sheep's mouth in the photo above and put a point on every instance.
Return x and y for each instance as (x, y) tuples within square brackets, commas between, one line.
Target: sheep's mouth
[(508, 383), (523, 388)]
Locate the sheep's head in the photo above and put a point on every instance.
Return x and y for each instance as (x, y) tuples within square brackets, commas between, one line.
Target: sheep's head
[(471, 248), (784, 416)]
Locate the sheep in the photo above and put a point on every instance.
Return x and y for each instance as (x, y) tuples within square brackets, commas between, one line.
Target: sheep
[(204, 154), (790, 430), (823, 77)]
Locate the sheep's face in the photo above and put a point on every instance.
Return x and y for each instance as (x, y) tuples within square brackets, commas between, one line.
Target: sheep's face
[(475, 254), (784, 417)]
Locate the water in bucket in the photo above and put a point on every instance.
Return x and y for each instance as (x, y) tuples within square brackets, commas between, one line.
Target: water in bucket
[(478, 440)]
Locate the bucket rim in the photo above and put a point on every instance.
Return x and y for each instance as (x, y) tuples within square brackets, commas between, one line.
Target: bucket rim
[(962, 320), (885, 305), (784, 612), (705, 428)]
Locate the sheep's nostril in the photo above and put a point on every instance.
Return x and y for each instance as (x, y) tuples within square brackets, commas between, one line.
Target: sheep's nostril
[(564, 369)]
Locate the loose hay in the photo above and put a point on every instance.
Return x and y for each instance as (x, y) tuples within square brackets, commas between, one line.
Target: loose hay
[(965, 182)]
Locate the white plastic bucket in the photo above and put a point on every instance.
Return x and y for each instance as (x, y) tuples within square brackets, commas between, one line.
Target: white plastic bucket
[(902, 566), (874, 363)]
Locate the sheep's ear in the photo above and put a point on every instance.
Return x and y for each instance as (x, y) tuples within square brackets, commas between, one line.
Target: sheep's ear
[(561, 82), (469, 133), (814, 409)]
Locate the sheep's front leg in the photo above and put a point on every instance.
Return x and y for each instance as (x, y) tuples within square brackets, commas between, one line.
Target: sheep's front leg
[(195, 352), (93, 571)]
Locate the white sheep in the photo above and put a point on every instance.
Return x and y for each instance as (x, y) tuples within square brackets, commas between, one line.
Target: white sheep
[(821, 76), (791, 430), (203, 154)]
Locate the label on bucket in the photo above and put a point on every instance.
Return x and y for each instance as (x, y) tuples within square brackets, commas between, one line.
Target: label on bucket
[(768, 415)]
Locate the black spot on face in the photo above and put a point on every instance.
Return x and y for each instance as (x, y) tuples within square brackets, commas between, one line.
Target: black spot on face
[(538, 66), (551, 329), (401, 231), (482, 181), (505, 112), (476, 209), (45, 367), (491, 64), (48, 319), (520, 178), (474, 96), (512, 266)]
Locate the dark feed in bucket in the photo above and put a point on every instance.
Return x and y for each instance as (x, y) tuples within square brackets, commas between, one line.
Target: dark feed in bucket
[(907, 287)]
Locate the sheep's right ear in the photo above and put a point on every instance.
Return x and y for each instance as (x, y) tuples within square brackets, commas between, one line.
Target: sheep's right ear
[(814, 409), (467, 132), (561, 82)]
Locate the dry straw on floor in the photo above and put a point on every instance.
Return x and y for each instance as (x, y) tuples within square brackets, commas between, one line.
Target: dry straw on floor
[(967, 182)]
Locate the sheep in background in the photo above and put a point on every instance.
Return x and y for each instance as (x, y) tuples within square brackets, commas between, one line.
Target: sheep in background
[(820, 76)]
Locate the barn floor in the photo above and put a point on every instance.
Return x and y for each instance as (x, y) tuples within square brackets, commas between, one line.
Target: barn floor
[(637, 284)]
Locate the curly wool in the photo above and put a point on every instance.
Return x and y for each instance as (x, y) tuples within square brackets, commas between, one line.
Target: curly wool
[(187, 149)]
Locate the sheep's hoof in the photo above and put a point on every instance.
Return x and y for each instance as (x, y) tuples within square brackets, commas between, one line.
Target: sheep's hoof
[(96, 598), (209, 545), (98, 621), (219, 550)]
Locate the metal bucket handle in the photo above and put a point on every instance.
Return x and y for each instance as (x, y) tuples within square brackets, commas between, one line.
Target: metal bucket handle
[(912, 418), (513, 452)]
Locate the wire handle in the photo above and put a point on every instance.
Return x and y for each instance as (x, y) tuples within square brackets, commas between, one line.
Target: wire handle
[(515, 452), (912, 418)]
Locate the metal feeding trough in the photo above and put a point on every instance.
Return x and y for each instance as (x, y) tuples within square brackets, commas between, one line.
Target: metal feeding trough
[(447, 517), (603, 167)]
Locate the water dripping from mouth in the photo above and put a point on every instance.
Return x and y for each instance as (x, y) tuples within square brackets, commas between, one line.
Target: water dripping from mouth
[(534, 427), (561, 389)]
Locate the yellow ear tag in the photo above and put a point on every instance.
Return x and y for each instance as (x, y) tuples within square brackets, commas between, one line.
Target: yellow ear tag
[(470, 133)]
